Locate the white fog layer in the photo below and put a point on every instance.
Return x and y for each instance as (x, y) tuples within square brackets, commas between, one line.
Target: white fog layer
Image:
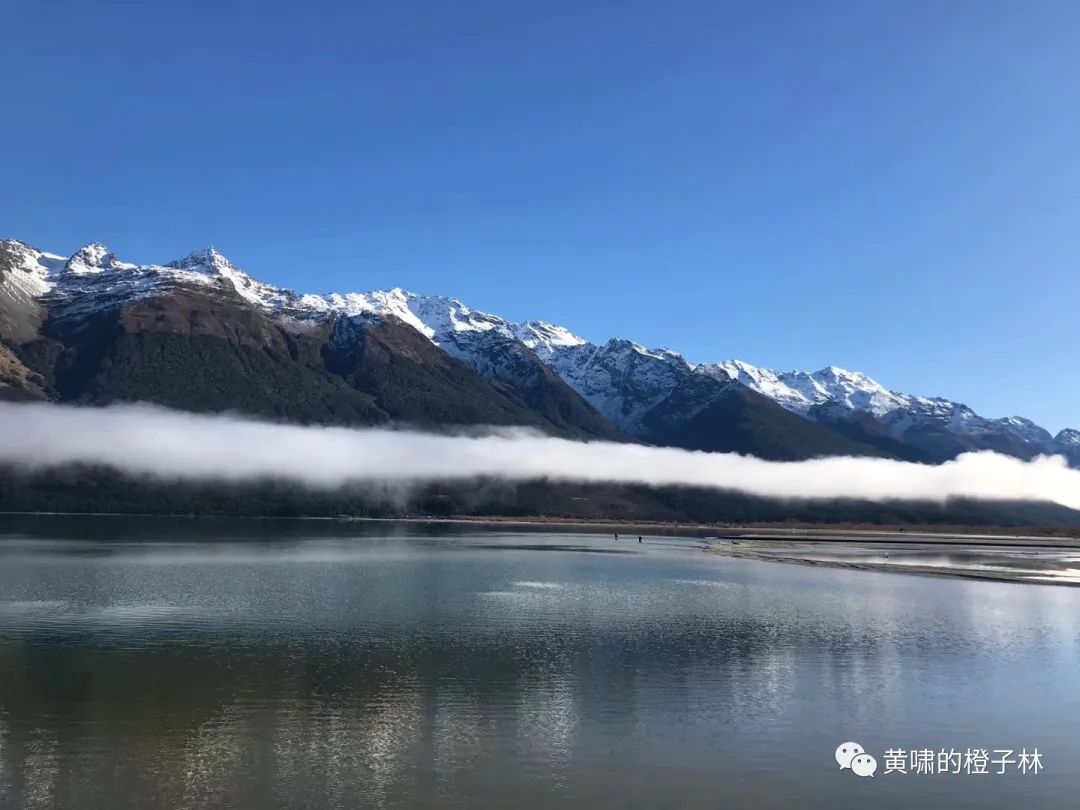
[(149, 441)]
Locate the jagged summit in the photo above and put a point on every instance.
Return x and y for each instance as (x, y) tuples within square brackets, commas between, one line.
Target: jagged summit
[(95, 258), (92, 258), (209, 257), (842, 375), (540, 335), (16, 246)]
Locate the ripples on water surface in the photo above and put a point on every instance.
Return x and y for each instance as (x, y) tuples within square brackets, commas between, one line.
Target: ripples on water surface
[(258, 664)]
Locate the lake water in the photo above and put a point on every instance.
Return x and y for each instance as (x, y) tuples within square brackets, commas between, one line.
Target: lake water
[(191, 663)]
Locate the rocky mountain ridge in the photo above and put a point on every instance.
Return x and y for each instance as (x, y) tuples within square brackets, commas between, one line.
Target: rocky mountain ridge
[(549, 377)]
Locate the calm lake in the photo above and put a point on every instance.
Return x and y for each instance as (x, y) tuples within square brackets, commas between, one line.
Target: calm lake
[(201, 663)]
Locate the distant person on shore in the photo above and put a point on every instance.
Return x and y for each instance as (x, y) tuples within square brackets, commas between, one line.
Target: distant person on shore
[(616, 536), (639, 538)]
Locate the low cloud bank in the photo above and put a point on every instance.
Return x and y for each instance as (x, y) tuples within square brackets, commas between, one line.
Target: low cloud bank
[(146, 440)]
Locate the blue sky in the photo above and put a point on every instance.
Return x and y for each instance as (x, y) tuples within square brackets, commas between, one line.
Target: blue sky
[(890, 187)]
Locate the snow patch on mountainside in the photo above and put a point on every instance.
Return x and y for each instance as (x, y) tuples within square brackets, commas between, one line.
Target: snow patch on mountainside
[(838, 388), (799, 391), (26, 274), (545, 338), (447, 322), (27, 271), (621, 379)]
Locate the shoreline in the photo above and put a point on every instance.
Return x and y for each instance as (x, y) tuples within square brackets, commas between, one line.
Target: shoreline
[(1064, 537), (1007, 560), (981, 553)]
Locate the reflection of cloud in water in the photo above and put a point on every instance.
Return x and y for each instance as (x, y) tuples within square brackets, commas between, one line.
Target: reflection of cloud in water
[(703, 583), (539, 585), (549, 547), (526, 591), (136, 613), (139, 615), (459, 734), (238, 555), (548, 719), (351, 752), (1066, 575), (540, 724), (215, 752), (32, 605), (4, 789), (316, 752), (62, 615), (761, 683), (40, 769)]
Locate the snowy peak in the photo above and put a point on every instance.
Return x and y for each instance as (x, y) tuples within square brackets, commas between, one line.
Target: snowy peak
[(212, 264), (440, 318), (622, 380), (546, 338), (799, 391), (447, 316), (764, 381), (631, 351), (852, 389), (834, 375), (208, 260), (839, 390), (93, 258), (16, 255)]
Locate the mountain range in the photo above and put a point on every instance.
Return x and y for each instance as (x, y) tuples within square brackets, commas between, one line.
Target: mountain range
[(200, 334)]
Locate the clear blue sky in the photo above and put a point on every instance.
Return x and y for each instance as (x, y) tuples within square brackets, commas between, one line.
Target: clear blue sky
[(893, 187)]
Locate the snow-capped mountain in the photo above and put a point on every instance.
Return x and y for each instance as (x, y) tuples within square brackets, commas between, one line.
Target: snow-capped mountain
[(621, 379), (539, 365), (837, 391), (800, 391)]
